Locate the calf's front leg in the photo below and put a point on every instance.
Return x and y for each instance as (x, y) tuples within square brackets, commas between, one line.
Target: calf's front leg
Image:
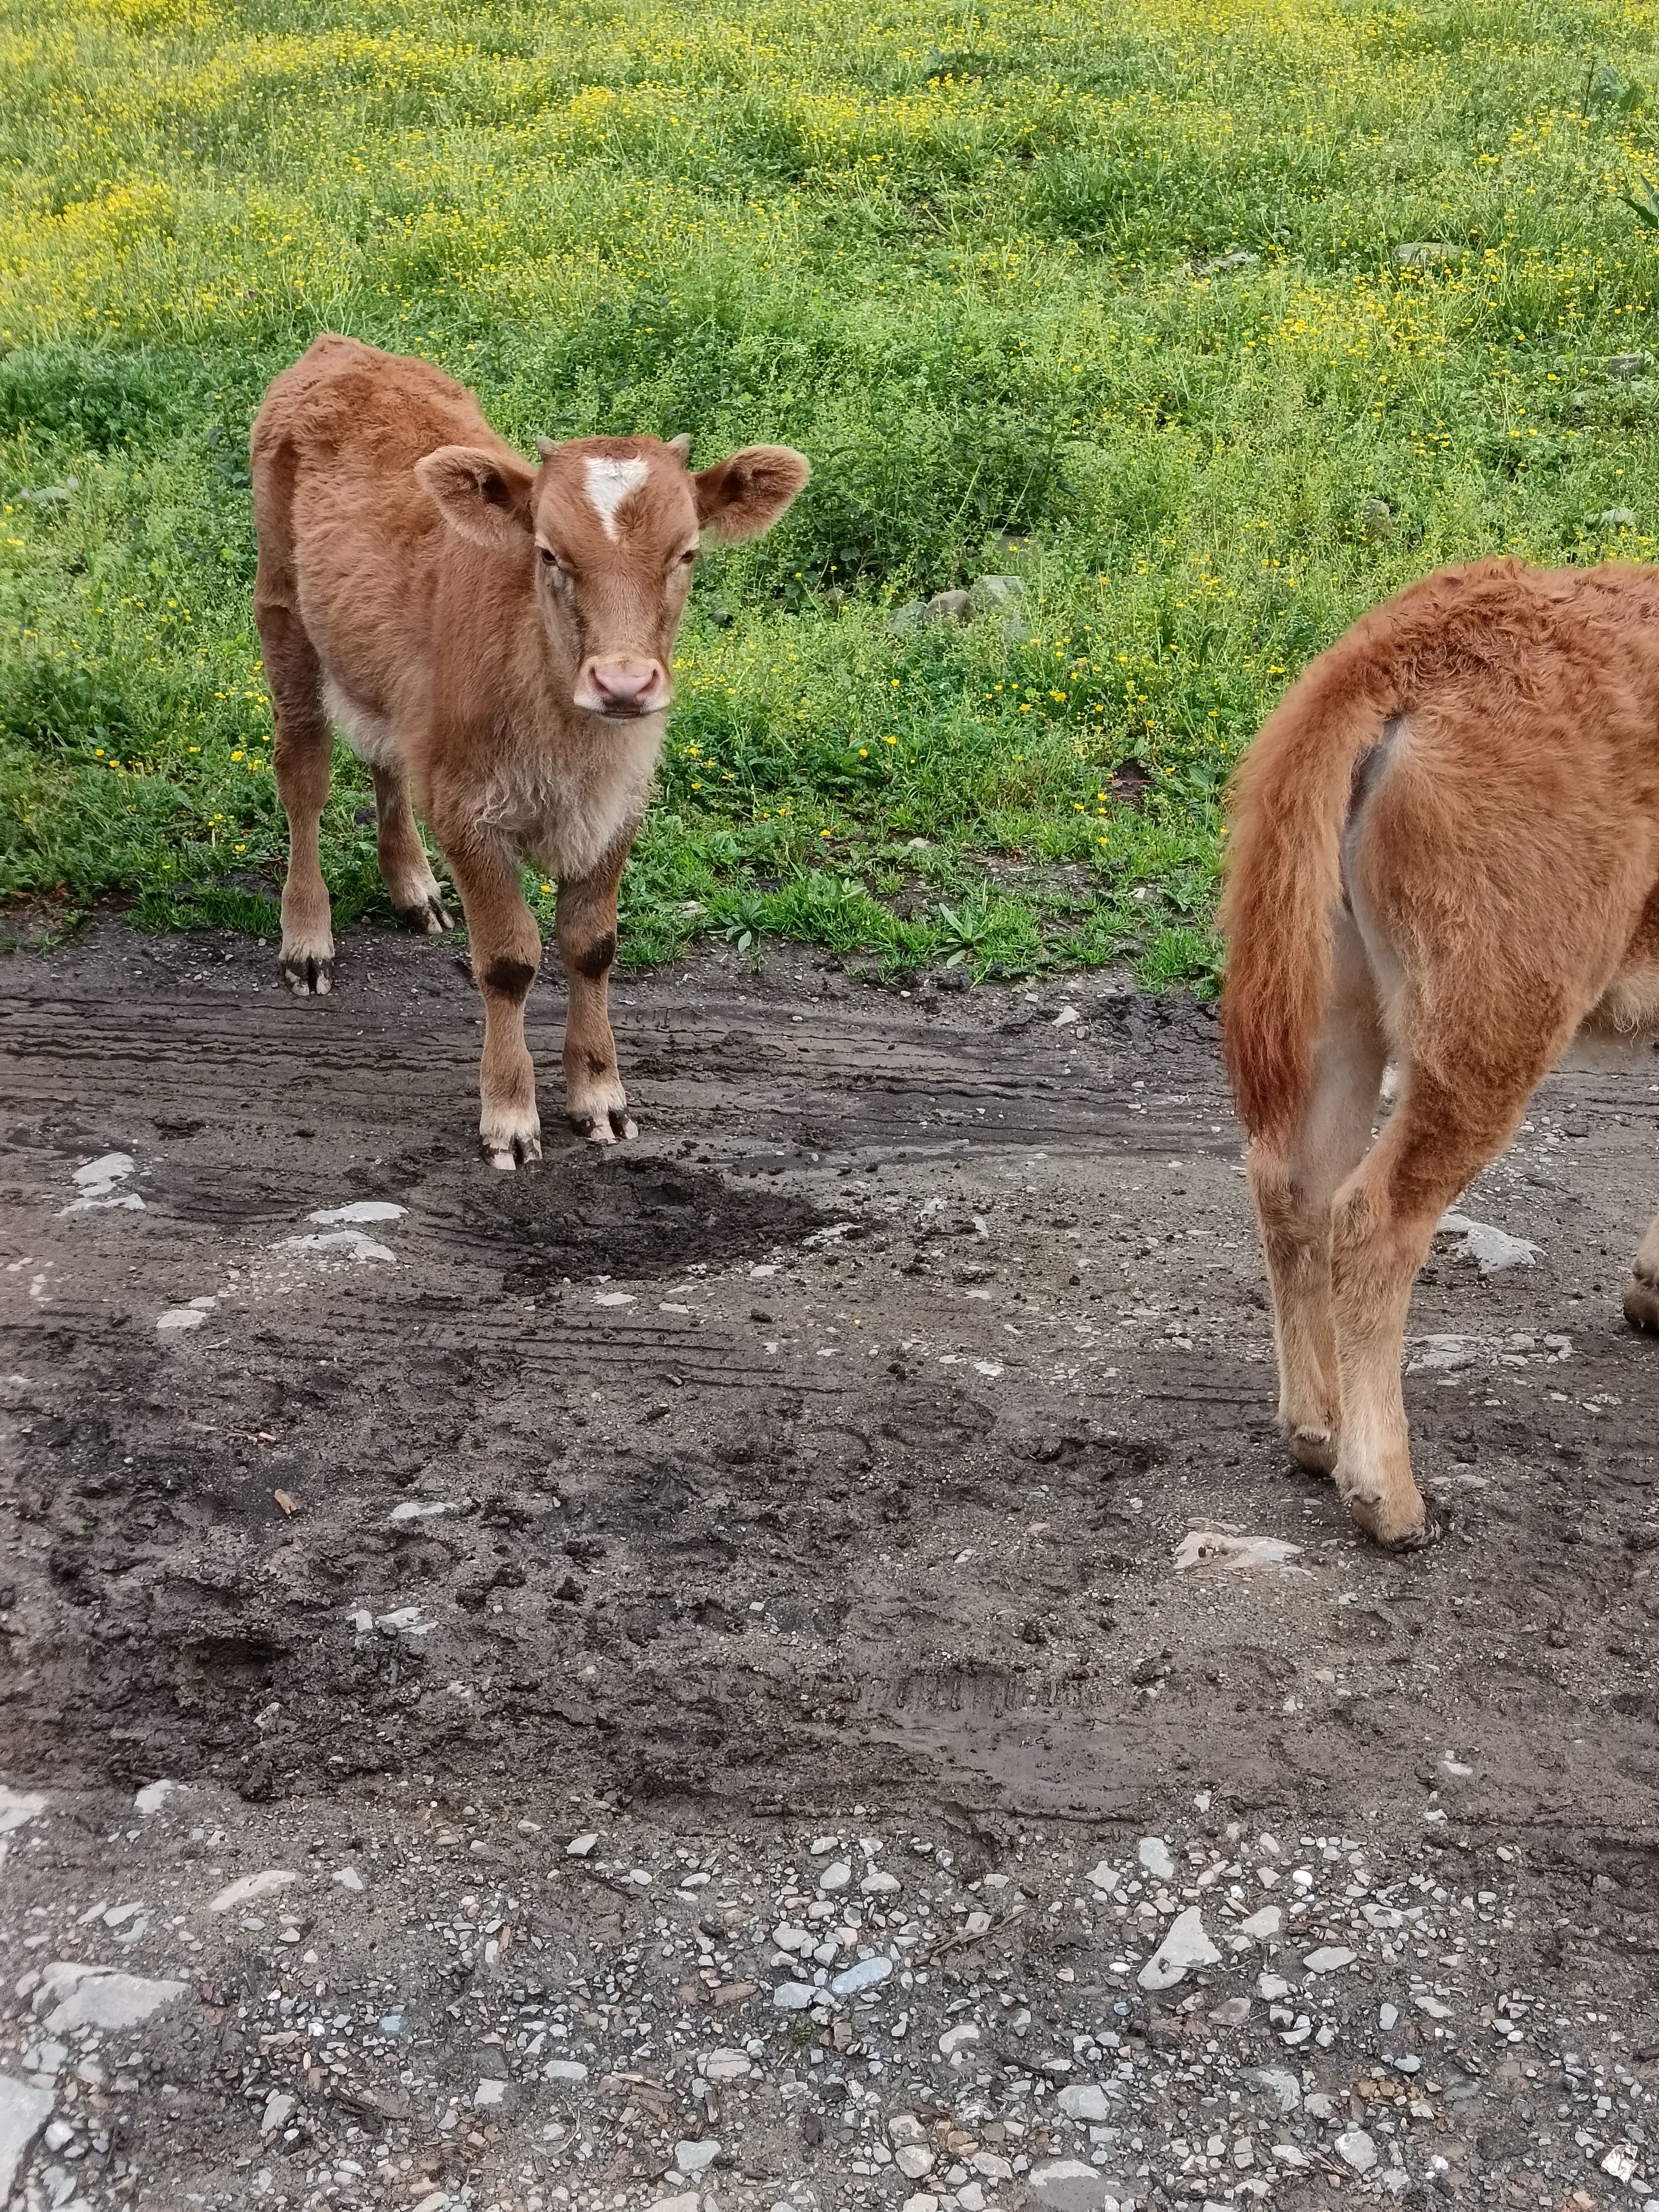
[(506, 951), (587, 929)]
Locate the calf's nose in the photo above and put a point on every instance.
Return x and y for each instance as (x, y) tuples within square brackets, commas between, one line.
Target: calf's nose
[(622, 686)]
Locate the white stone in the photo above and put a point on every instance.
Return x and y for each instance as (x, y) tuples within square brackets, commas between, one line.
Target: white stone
[(1231, 2012), (863, 1974), (348, 1878), (1084, 2100), (1620, 2162), (343, 1244), (1388, 2016), (1154, 1855), (695, 2158), (727, 2065), (957, 2038), (1431, 2006), (1260, 1926), (793, 1996), (1105, 1876), (24, 2111), (1329, 1960), (835, 1877), (1491, 1249), (361, 1209), (248, 1887), (1288, 2154), (1280, 2084), (154, 1794), (1272, 1987), (1355, 2148), (17, 1809), (488, 2093), (1185, 1945), (422, 1509), (279, 2110), (97, 1996), (1220, 1552), (879, 1883), (788, 1937), (914, 2161), (580, 1846), (1065, 2185), (180, 1317), (569, 2072), (906, 2128)]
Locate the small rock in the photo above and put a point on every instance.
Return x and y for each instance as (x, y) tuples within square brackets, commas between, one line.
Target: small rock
[(361, 1209), (727, 2065), (959, 2037), (278, 2112), (793, 1996), (489, 2092), (835, 1877), (695, 2158), (1278, 2083), (912, 2161), (1330, 1959), (1614, 518), (154, 1794), (24, 2111), (180, 1317), (1084, 2100), (1624, 365), (421, 1509), (906, 2128), (1065, 2185), (1375, 519), (1388, 2016), (1218, 1552), (1355, 2148), (1154, 1855), (345, 1243), (1425, 253), (1231, 2012), (909, 617), (788, 1937), (1491, 1249), (879, 1884), (1226, 263), (1620, 2162), (997, 594), (348, 1878), (1105, 1877), (1272, 1987), (863, 1974), (1261, 1926), (946, 607), (1186, 1946), (580, 1846), (568, 2073), (251, 1886), (96, 1997), (17, 1809)]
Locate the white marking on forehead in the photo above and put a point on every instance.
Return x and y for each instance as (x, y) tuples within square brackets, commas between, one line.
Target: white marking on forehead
[(610, 482)]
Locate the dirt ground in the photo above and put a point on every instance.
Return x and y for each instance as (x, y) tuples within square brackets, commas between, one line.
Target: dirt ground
[(811, 1469)]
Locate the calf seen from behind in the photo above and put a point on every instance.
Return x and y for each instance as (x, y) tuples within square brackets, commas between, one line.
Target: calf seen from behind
[(1444, 854), (494, 638)]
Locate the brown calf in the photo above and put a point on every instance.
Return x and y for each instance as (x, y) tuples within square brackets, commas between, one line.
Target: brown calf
[(1445, 854), (498, 637)]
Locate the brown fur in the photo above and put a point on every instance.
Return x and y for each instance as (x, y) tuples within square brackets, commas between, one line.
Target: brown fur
[(1445, 853), (483, 634)]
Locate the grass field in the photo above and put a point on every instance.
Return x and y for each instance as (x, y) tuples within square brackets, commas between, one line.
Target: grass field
[(964, 258)]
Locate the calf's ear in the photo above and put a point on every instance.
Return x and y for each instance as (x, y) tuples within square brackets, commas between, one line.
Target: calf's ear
[(485, 496), (742, 496)]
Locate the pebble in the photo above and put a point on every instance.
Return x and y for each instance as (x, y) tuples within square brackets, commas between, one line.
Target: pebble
[(278, 2112), (249, 1887), (695, 2158), (1262, 1925), (1355, 2148), (879, 1884), (1065, 2185), (488, 2091), (96, 1996), (579, 1847), (154, 1794), (1154, 1855), (1278, 2083), (912, 2161), (727, 2066), (17, 1809), (959, 2037), (568, 2072), (835, 1877), (1330, 1959), (865, 1974), (359, 1210), (1185, 1945), (348, 1878), (24, 2111), (1084, 2100), (793, 1996), (1231, 2012)]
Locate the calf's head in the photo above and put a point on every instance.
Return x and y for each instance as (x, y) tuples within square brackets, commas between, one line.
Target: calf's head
[(608, 529)]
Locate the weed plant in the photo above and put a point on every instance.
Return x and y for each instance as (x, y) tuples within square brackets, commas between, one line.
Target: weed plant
[(1214, 324)]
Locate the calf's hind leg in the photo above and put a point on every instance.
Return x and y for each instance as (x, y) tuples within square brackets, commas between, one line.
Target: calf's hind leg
[(1293, 1191), (594, 1098), (405, 871), (301, 757)]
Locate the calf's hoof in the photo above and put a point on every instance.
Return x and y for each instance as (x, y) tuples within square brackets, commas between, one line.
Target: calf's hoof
[(429, 918), (1642, 1304), (1313, 1449), (508, 1151), (607, 1126), (308, 974), (1404, 1525)]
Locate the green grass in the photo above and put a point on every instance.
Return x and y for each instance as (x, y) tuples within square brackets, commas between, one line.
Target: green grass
[(962, 259)]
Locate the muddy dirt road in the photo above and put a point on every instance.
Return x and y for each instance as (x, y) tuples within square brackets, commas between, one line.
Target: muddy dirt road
[(809, 1473)]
